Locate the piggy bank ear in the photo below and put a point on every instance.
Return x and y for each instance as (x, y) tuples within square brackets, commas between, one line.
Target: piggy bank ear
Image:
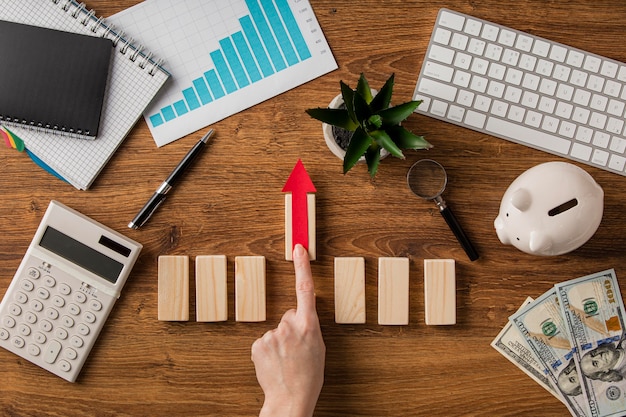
[(539, 243), (499, 225), (521, 199)]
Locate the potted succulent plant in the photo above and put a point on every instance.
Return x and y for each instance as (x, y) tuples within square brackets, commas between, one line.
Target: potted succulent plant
[(370, 125)]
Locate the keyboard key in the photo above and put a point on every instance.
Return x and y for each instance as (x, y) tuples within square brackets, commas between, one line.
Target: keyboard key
[(527, 135), (450, 20), (507, 37), (617, 163), (581, 151), (600, 157), (524, 43), (441, 54), (473, 27), (490, 32), (52, 351), (442, 36), (475, 119), (433, 70), (437, 89)]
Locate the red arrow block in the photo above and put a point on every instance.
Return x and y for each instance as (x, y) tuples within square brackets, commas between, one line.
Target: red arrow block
[(299, 211)]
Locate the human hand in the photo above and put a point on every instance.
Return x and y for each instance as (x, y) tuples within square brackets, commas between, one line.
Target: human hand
[(289, 360)]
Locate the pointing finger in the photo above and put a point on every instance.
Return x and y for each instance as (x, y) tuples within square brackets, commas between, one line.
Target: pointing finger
[(305, 287)]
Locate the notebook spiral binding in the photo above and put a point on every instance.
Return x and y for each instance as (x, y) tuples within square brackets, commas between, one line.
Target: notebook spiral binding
[(124, 45), (86, 17)]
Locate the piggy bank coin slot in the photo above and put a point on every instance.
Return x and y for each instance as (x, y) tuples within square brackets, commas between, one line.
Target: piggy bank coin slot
[(563, 207)]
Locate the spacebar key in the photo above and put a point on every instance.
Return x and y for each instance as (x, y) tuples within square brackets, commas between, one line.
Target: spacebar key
[(527, 136)]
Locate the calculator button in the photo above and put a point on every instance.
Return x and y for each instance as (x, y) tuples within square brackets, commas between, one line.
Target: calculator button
[(36, 305), (27, 285), (58, 301), (15, 309), (79, 297), (45, 325), (70, 353), (64, 289), (52, 351), (21, 298), (40, 338), (43, 293), (67, 321), (18, 342), (34, 350), (30, 317), (77, 342), (49, 281), (74, 309), (83, 329), (65, 366), (24, 329), (61, 333), (95, 305), (4, 334), (8, 321), (33, 273), (52, 313), (89, 317)]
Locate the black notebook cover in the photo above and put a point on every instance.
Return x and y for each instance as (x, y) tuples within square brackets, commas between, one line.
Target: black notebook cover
[(51, 79)]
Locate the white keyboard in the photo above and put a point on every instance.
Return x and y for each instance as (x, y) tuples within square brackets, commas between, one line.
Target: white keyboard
[(525, 89)]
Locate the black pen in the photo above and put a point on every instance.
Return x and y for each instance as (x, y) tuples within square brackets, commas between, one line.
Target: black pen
[(159, 196)]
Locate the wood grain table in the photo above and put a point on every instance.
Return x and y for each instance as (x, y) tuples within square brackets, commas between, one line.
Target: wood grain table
[(231, 204)]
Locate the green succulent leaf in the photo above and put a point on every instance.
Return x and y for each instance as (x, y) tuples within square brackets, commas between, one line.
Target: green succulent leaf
[(335, 117), (406, 139), (363, 88), (383, 98), (395, 115), (359, 144), (347, 94), (383, 139), (361, 110), (374, 122), (372, 157)]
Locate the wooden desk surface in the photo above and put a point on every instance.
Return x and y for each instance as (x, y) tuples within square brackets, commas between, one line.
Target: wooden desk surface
[(231, 204)]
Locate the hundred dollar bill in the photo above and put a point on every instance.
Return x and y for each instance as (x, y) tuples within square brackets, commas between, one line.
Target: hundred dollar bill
[(513, 346), (594, 312), (542, 325)]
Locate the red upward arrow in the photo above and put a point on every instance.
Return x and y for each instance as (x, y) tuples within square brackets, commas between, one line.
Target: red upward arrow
[(299, 184)]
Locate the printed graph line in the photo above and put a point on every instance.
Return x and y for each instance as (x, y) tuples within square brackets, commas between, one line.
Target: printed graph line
[(269, 41)]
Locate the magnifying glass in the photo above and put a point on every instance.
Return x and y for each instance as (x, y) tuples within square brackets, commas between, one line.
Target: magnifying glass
[(427, 179)]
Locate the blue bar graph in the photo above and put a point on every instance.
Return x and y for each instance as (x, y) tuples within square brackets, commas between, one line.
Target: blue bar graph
[(269, 41)]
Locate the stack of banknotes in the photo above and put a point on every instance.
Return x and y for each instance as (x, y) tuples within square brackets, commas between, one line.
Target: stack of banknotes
[(571, 340)]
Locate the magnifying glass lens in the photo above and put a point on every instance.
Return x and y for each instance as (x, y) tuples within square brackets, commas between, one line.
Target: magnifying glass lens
[(427, 179)]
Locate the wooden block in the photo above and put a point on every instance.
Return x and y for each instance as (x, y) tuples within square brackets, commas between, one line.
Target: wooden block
[(211, 289), (311, 227), (173, 288), (393, 291), (350, 290), (250, 288), (439, 291)]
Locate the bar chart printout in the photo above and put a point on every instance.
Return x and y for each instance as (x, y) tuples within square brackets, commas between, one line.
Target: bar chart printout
[(224, 57)]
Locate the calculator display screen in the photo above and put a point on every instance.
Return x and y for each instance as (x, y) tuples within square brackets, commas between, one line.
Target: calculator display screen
[(81, 254)]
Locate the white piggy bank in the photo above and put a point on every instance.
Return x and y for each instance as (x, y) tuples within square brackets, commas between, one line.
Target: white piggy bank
[(551, 209)]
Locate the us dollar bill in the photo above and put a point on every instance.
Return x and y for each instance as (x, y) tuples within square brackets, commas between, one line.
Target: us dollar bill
[(513, 346), (542, 325), (594, 314)]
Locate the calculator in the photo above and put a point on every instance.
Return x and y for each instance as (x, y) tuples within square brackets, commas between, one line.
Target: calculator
[(72, 274)]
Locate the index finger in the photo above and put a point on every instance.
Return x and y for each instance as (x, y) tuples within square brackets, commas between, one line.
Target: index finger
[(305, 287)]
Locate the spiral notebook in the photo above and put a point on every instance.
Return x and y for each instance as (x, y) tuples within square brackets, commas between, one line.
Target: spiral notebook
[(64, 75), (133, 81)]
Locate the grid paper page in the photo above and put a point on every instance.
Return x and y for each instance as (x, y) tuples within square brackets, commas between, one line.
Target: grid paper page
[(130, 89), (224, 56)]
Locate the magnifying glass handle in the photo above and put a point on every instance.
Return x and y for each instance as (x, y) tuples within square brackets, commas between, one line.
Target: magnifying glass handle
[(459, 233)]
